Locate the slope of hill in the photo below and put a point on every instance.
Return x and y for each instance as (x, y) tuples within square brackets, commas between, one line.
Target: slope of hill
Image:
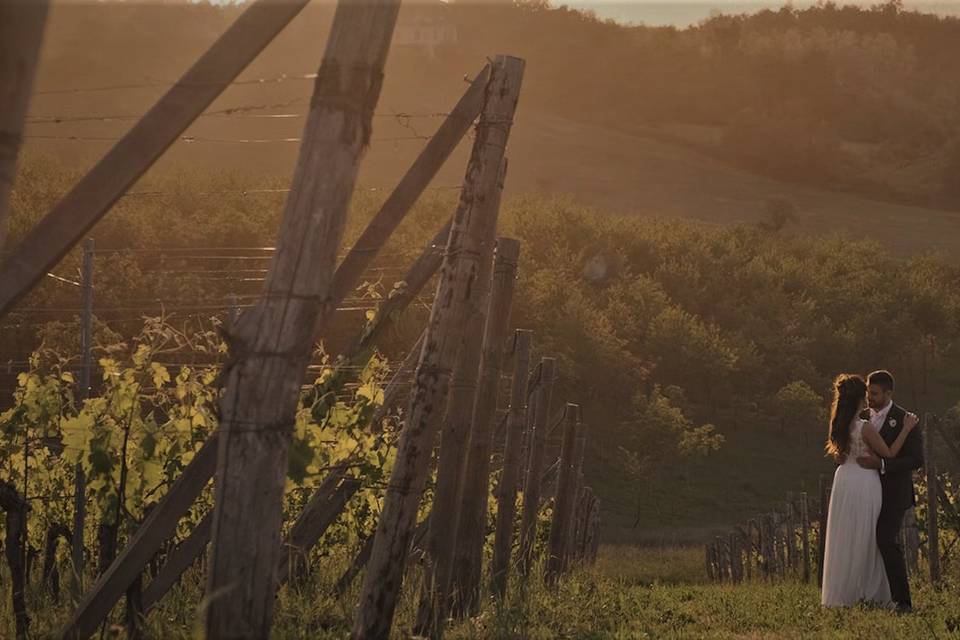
[(563, 142)]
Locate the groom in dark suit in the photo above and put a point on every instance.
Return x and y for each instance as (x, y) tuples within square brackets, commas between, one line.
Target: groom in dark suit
[(896, 477)]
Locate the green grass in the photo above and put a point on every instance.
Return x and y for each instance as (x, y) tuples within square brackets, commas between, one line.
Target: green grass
[(630, 593)]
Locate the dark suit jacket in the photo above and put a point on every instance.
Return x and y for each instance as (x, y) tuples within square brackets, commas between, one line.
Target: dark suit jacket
[(897, 482)]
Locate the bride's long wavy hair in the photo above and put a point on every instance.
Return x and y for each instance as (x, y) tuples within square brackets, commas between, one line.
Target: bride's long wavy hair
[(849, 390)]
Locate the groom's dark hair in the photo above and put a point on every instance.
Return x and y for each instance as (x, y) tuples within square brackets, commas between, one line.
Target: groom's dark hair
[(882, 378)]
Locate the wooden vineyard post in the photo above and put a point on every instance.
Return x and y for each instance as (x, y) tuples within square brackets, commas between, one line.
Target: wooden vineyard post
[(531, 485), (771, 552), (780, 539), (443, 531), (579, 453), (805, 533), (330, 500), (178, 561), (911, 540), (510, 474), (271, 343), (564, 506), (83, 392), (736, 558), (933, 533), (14, 547), (584, 503), (21, 32), (140, 147), (471, 531), (822, 527), (593, 530), (791, 532), (474, 225), (724, 558)]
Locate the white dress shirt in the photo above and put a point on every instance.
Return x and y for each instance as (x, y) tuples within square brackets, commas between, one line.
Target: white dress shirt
[(877, 418)]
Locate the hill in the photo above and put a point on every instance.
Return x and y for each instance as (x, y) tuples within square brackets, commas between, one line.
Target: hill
[(616, 116)]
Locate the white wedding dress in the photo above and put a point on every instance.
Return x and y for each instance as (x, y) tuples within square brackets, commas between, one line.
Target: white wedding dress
[(853, 569)]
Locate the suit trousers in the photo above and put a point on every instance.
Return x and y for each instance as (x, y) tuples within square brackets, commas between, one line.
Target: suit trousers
[(889, 525)]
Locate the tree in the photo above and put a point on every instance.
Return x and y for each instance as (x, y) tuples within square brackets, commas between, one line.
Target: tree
[(799, 408)]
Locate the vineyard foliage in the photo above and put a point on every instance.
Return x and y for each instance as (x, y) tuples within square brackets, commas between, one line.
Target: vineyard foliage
[(149, 418)]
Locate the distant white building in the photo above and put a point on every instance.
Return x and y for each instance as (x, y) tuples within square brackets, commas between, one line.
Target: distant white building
[(425, 27)]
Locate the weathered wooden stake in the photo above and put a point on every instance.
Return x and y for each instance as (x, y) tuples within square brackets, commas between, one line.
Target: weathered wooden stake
[(824, 490), (805, 532), (911, 540), (473, 226), (736, 555), (791, 532), (471, 532), (531, 486), (21, 33), (579, 453), (510, 474), (16, 508), (593, 530), (271, 344), (933, 531), (441, 540), (83, 392), (178, 561), (327, 503), (564, 506)]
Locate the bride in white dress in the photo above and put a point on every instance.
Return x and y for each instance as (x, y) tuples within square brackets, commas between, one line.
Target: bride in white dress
[(853, 569)]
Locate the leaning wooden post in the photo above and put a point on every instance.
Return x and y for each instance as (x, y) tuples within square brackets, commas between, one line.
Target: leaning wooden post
[(442, 532), (178, 561), (473, 226), (531, 485), (822, 526), (328, 503), (564, 505), (471, 531), (510, 474), (21, 32), (805, 532), (270, 345), (933, 533)]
